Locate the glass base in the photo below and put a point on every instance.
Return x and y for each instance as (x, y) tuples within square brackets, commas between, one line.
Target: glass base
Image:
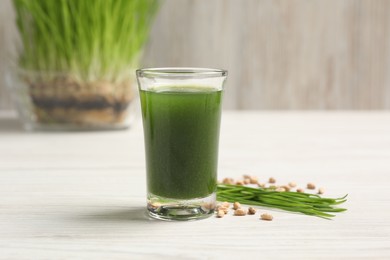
[(182, 210)]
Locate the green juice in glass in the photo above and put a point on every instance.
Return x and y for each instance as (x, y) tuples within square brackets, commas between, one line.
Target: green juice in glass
[(181, 130)]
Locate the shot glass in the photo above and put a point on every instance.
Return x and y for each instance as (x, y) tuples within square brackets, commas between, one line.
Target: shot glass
[(181, 112)]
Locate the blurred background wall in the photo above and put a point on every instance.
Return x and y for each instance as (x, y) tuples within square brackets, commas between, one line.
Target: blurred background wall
[(295, 54)]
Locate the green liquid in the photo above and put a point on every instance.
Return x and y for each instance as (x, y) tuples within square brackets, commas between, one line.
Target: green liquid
[(181, 128)]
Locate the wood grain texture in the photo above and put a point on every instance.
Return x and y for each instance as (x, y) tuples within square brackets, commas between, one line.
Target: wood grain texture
[(82, 195), (296, 54)]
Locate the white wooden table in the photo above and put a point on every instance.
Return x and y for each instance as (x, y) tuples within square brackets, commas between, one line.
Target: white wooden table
[(81, 195)]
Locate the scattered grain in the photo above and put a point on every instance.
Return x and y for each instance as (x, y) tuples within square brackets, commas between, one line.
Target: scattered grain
[(253, 180), (228, 181), (220, 214), (208, 206), (251, 211), (311, 186), (239, 212), (266, 216), (287, 188), (236, 205), (321, 191), (299, 190), (226, 210), (292, 184), (271, 180), (154, 205), (225, 204)]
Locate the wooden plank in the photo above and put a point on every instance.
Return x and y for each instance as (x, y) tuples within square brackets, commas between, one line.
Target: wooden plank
[(81, 195)]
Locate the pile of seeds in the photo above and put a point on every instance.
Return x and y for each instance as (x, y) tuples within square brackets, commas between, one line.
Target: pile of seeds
[(223, 209), (253, 180), (250, 191)]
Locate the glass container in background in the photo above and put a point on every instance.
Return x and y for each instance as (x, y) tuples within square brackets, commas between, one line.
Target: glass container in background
[(73, 64), (181, 111), (57, 101)]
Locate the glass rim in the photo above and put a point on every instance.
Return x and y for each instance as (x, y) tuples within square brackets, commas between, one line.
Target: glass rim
[(181, 72)]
